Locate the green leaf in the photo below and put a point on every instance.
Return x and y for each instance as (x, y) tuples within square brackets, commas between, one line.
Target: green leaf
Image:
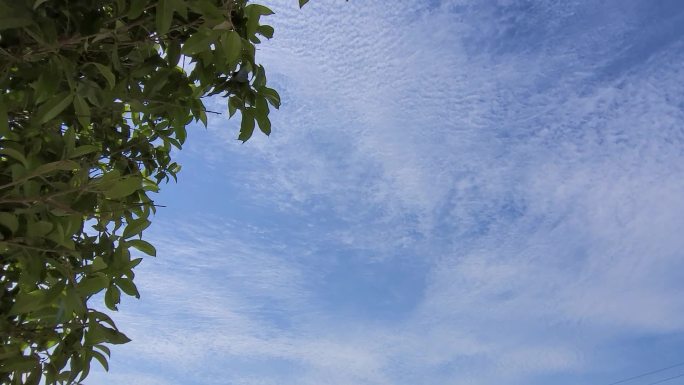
[(98, 333), (74, 302), (202, 118), (21, 364), (11, 22), (173, 52), (99, 316), (98, 264), (104, 350), (63, 165), (136, 9), (266, 31), (38, 229), (164, 16), (181, 8), (9, 221), (54, 107), (4, 119), (82, 111), (135, 227), (76, 366), (12, 153), (271, 95), (258, 9), (247, 125), (112, 297), (101, 359), (259, 79), (143, 246), (253, 12), (234, 104), (107, 73), (231, 43), (134, 262), (261, 106), (38, 3), (302, 3), (207, 9), (28, 302), (124, 187), (83, 150), (150, 185), (128, 287), (197, 43), (92, 285), (35, 375), (84, 367), (264, 124), (261, 115), (118, 338)]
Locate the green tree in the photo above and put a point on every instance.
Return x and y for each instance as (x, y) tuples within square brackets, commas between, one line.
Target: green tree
[(94, 94)]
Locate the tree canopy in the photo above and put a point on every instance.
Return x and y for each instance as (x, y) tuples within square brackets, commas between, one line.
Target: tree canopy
[(94, 95)]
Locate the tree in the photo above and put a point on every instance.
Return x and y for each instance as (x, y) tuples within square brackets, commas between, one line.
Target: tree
[(94, 94)]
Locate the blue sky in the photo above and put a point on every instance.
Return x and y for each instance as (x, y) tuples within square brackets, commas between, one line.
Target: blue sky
[(466, 192)]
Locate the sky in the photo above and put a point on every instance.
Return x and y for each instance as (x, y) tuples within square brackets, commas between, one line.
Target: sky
[(455, 192)]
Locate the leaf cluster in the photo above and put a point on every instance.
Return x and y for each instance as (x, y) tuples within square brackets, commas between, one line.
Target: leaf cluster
[(94, 96)]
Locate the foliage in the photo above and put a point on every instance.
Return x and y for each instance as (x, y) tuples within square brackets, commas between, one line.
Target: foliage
[(94, 95)]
